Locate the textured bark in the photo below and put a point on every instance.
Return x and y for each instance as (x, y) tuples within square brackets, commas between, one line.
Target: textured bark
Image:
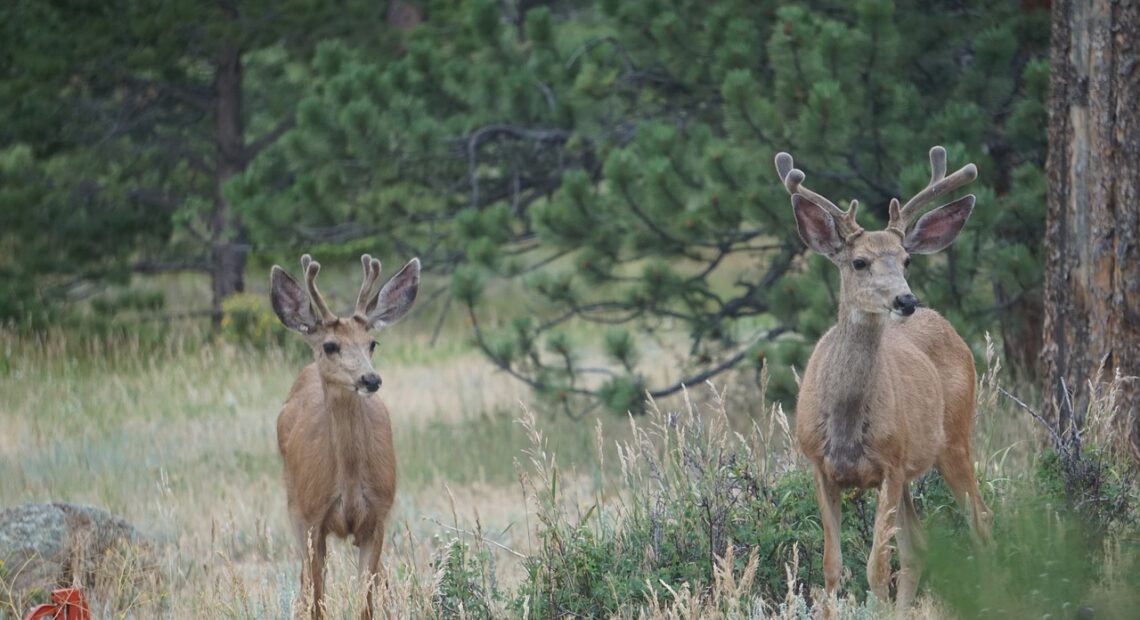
[(1092, 279)]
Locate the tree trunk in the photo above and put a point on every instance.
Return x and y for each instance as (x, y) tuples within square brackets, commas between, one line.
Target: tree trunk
[(1092, 265), (1021, 333), (227, 235)]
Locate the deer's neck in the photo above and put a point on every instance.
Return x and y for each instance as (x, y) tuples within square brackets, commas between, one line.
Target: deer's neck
[(349, 415), (851, 362)]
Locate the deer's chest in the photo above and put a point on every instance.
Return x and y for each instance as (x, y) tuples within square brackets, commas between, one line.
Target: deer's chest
[(349, 512), (846, 457), (851, 466), (346, 490)]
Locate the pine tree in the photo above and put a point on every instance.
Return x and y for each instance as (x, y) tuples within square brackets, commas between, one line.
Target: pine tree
[(128, 121), (616, 161)]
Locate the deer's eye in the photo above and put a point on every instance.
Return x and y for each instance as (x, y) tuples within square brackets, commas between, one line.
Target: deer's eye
[(332, 347), (372, 347), (859, 263)]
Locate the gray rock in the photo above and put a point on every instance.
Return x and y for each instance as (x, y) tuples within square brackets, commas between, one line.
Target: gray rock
[(46, 546)]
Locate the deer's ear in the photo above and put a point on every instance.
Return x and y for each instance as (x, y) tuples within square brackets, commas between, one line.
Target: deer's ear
[(938, 229), (816, 227), (290, 302), (396, 298)]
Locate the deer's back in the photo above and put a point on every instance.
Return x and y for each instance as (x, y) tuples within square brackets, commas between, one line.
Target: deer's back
[(349, 498)]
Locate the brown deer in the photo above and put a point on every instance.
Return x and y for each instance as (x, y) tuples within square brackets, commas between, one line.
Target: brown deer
[(889, 390), (333, 432)]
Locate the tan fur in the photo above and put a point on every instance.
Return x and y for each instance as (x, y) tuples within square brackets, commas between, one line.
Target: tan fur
[(334, 433), (340, 469), (884, 396)]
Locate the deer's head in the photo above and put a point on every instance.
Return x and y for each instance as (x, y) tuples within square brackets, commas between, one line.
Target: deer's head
[(872, 264), (343, 347)]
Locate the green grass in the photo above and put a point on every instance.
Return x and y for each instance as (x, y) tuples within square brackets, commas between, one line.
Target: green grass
[(174, 429)]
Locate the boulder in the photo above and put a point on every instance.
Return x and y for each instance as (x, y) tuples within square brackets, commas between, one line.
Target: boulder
[(45, 546)]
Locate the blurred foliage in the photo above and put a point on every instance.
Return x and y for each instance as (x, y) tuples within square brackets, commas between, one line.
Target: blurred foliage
[(616, 158), (120, 132), (613, 156), (247, 320), (1059, 550)]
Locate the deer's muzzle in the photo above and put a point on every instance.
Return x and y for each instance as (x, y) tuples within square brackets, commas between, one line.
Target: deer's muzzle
[(905, 304), (370, 382)]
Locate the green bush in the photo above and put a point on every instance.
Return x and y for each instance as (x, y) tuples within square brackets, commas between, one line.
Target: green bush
[(465, 586), (704, 511), (694, 492), (248, 320), (1044, 561), (1090, 488)]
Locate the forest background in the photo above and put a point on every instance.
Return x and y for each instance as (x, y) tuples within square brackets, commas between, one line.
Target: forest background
[(590, 188)]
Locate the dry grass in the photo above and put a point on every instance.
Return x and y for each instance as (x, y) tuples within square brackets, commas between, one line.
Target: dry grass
[(179, 439)]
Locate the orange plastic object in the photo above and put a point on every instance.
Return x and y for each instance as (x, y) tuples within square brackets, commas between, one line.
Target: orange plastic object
[(66, 604)]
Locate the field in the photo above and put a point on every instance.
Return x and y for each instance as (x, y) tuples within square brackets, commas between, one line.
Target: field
[(175, 433)]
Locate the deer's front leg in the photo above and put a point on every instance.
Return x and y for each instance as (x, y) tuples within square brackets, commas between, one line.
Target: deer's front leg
[(371, 571), (886, 520), (313, 550), (827, 494)]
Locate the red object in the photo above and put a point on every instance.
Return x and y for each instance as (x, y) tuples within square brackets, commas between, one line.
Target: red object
[(66, 604)]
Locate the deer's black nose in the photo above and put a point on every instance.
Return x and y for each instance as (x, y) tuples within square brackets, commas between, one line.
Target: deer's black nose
[(370, 381), (906, 304)]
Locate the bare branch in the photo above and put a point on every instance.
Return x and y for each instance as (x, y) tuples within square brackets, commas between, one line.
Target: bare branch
[(253, 149), (476, 139), (1036, 416), (715, 370), (148, 267)]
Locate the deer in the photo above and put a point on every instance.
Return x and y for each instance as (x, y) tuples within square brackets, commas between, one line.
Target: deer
[(333, 432), (888, 391)]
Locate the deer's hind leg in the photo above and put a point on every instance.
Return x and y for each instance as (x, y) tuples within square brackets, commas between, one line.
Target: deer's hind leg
[(912, 546), (957, 468), (886, 525)]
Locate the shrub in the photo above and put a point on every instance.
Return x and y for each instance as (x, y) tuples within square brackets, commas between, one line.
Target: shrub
[(698, 504), (465, 585), (1044, 562), (246, 319), (1066, 538)]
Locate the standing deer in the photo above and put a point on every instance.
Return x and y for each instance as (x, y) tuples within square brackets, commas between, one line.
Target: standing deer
[(333, 432), (889, 390)]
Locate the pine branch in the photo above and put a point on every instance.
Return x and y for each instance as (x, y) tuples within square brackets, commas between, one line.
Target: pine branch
[(676, 245), (504, 365)]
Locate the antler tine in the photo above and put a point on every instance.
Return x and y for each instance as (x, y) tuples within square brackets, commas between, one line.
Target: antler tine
[(939, 185), (371, 275), (312, 268), (793, 178)]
